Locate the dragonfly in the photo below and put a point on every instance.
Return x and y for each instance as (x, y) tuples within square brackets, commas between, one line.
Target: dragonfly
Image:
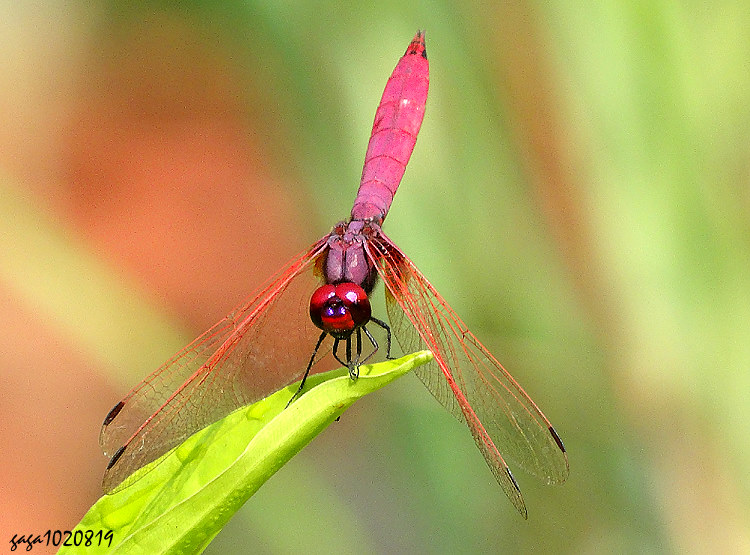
[(321, 299)]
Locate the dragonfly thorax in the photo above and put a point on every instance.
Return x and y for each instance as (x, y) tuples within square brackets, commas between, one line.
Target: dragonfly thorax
[(347, 260)]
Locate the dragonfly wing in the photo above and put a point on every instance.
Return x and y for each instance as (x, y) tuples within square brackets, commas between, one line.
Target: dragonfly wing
[(465, 377), (263, 345)]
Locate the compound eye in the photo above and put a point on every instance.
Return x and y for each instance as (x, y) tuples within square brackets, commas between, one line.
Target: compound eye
[(340, 309)]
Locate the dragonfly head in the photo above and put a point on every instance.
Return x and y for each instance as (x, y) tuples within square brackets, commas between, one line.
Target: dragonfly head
[(340, 309)]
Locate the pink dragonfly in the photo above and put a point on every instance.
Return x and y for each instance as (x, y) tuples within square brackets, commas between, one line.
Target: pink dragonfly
[(256, 349)]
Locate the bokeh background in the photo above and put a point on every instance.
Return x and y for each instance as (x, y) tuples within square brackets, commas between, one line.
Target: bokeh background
[(579, 193)]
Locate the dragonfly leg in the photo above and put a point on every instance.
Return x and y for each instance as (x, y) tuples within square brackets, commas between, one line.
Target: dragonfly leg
[(353, 364), (375, 345), (336, 343), (387, 329), (357, 361), (307, 370)]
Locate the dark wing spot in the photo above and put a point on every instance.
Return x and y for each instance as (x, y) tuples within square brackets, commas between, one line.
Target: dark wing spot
[(512, 479), (116, 457), (113, 413), (557, 439)]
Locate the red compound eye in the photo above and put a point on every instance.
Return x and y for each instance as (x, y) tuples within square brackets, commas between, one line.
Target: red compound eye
[(339, 309)]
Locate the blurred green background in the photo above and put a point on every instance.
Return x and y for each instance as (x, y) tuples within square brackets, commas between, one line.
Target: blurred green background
[(578, 193)]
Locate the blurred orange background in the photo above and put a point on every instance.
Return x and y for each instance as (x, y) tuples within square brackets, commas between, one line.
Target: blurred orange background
[(579, 193)]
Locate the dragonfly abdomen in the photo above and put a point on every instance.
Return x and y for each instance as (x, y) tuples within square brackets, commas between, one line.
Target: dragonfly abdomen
[(394, 133)]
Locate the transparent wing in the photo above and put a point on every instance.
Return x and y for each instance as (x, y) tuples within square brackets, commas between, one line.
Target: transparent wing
[(466, 378), (265, 344)]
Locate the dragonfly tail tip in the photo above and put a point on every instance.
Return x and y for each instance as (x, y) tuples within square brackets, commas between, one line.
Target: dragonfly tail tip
[(417, 45)]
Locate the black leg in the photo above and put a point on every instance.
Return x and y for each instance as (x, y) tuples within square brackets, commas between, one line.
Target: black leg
[(374, 344), (309, 366), (387, 329), (349, 353), (351, 364), (359, 345), (354, 364), (336, 352)]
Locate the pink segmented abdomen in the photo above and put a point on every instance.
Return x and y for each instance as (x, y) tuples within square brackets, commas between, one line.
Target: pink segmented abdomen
[(394, 133)]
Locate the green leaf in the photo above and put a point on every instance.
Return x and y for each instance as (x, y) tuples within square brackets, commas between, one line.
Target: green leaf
[(181, 501)]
